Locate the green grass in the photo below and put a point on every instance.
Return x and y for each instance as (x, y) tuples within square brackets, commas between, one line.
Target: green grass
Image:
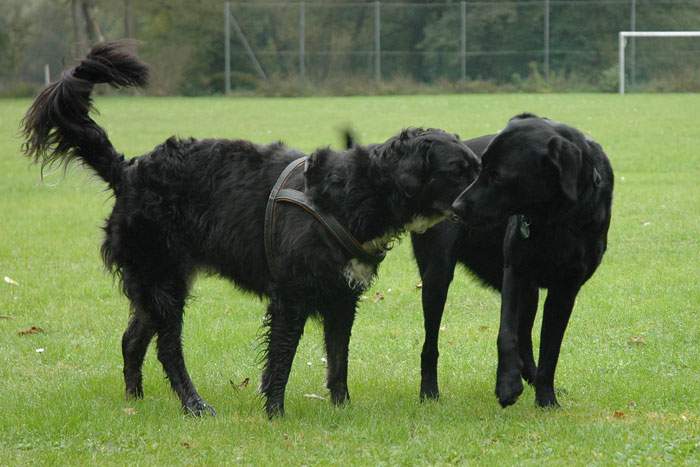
[(630, 364)]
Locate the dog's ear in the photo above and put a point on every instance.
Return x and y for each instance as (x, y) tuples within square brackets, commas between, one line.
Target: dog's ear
[(349, 138), (409, 184), (313, 168), (412, 169), (567, 160), (316, 160)]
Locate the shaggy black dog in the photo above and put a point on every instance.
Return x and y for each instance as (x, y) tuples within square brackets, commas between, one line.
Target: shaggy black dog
[(536, 217), (193, 205)]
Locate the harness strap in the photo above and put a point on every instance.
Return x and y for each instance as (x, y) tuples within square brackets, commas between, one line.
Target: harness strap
[(270, 211), (298, 198)]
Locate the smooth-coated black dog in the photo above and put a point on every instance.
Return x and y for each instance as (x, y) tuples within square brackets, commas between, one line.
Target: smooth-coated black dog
[(536, 217), (192, 205)]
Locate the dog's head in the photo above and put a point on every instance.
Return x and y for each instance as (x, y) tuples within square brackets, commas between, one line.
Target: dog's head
[(532, 164), (426, 169)]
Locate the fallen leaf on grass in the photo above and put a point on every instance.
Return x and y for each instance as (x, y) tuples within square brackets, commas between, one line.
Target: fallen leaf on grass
[(314, 396), (636, 340), (243, 384), (30, 330), (130, 411), (378, 297), (11, 281), (186, 444), (419, 285), (619, 414)]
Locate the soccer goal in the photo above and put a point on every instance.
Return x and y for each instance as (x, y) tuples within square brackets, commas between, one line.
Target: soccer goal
[(623, 42)]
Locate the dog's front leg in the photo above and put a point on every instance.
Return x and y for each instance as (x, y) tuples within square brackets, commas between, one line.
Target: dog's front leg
[(509, 386), (527, 309), (436, 282), (557, 311), (337, 326), (286, 325)]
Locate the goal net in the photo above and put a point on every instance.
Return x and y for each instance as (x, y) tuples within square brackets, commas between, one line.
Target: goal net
[(659, 61)]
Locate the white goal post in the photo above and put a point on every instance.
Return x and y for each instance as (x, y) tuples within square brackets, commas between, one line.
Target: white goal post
[(623, 42)]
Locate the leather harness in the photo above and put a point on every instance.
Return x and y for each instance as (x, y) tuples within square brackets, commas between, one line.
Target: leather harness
[(280, 194)]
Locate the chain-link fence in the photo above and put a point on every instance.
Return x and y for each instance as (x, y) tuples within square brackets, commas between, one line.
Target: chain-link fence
[(354, 47), (483, 45)]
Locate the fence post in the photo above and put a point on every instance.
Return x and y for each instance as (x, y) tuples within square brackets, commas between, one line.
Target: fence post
[(546, 40), (377, 42), (227, 48), (302, 42), (463, 40), (633, 40)]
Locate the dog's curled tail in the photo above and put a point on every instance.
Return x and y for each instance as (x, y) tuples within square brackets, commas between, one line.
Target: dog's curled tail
[(57, 127)]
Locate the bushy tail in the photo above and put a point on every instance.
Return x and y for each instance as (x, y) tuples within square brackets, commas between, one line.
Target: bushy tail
[(57, 127)]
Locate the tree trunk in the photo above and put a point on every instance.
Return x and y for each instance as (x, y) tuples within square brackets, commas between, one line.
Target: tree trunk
[(91, 26), (79, 45)]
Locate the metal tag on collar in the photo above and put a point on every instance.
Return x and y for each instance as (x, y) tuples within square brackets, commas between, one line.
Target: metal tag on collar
[(596, 177), (523, 227)]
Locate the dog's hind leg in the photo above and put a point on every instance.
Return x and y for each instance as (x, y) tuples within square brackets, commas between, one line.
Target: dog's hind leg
[(285, 323), (527, 309), (557, 311), (134, 345), (162, 300), (337, 326)]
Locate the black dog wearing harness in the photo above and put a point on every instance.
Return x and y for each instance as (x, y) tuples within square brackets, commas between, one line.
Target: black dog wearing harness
[(192, 205)]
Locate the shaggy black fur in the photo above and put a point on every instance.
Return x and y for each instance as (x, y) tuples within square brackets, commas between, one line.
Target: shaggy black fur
[(192, 204), (562, 183)]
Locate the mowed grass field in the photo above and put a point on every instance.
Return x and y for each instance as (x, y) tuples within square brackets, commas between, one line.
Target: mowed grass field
[(629, 371)]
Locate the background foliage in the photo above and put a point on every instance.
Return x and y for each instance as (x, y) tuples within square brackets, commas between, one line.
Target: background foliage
[(183, 41)]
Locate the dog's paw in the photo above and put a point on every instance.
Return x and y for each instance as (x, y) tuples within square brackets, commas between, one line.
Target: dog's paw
[(274, 410), (134, 393), (508, 388), (546, 399), (198, 408), (339, 398), (429, 392)]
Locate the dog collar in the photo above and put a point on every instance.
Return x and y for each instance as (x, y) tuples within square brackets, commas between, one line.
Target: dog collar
[(523, 227), (279, 194)]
